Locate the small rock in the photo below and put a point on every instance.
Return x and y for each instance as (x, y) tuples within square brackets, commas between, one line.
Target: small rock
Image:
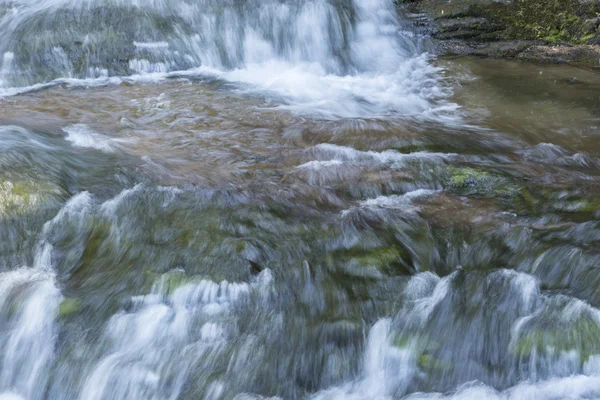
[(592, 25), (255, 268), (69, 306)]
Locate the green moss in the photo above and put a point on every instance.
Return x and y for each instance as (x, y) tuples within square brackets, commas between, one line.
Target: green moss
[(373, 262), (462, 177), (428, 362), (587, 37), (470, 181), (22, 196), (554, 21), (378, 257), (527, 200), (421, 341), (402, 341), (585, 206), (590, 206), (240, 246), (581, 336), (425, 349), (535, 200), (68, 307), (172, 280)]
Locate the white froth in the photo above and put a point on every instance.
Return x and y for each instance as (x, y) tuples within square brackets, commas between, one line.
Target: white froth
[(313, 58), (82, 136), (184, 325)]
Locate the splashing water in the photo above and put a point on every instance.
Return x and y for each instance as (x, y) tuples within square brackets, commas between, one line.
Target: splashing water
[(333, 58), (278, 199), (29, 340)]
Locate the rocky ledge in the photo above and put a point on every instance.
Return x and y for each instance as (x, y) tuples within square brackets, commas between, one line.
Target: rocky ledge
[(554, 31)]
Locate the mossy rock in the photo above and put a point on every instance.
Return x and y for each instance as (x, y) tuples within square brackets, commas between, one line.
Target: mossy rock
[(549, 200), (559, 328), (425, 350), (380, 257), (19, 197), (467, 177), (543, 341), (554, 21), (68, 307), (584, 205), (375, 262), (429, 363), (471, 181), (171, 281), (591, 205), (420, 340)]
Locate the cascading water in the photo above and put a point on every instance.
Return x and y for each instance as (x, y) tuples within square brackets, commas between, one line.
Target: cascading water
[(283, 199), (342, 58)]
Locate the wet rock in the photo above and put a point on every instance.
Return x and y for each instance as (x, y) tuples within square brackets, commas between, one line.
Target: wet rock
[(585, 55), (372, 263), (23, 196), (465, 28), (73, 41), (255, 268), (68, 307), (169, 282), (497, 49), (560, 31), (592, 25), (536, 342), (470, 181), (463, 177)]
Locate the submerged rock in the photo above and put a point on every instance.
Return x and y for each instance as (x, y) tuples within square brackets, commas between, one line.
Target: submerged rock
[(68, 307), (560, 336), (462, 177), (20, 197), (470, 181)]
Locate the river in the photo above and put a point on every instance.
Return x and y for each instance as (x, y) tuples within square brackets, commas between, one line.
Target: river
[(289, 199)]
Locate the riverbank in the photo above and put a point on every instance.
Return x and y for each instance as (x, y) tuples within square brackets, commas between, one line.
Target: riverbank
[(555, 31)]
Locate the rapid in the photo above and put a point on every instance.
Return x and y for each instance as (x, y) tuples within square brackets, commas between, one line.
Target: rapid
[(288, 199)]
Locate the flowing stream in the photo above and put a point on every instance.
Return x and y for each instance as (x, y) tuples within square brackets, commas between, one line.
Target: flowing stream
[(289, 199)]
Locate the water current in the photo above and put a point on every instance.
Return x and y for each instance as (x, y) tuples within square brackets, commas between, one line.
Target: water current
[(289, 199)]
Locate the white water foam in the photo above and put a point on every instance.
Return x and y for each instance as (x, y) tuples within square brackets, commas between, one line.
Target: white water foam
[(313, 57), (81, 135), (397, 202), (74, 82), (6, 66), (331, 152), (10, 396), (308, 89), (27, 345), (153, 349), (576, 387), (388, 370), (400, 203)]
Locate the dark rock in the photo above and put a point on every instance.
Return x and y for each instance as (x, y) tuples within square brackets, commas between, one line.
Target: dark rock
[(554, 31), (255, 268), (584, 55), (464, 28), (497, 49), (591, 25)]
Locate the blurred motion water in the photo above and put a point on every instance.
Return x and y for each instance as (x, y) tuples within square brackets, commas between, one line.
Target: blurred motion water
[(288, 199)]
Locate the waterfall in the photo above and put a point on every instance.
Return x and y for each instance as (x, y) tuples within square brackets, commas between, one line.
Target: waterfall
[(335, 58)]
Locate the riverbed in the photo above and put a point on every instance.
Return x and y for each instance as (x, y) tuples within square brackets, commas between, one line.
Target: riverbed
[(290, 200)]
